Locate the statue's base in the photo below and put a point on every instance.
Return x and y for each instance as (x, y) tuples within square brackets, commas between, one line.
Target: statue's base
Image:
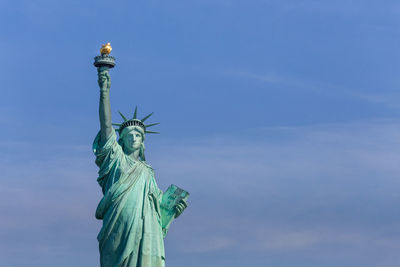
[(104, 61)]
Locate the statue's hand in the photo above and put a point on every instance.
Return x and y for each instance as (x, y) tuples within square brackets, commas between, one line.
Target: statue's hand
[(104, 79), (180, 207)]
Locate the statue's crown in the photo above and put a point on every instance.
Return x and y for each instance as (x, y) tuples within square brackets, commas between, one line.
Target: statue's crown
[(135, 122)]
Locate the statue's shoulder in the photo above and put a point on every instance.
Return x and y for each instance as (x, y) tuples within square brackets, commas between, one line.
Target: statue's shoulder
[(145, 164)]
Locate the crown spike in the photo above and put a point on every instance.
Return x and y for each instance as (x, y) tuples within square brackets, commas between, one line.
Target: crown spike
[(116, 124), (149, 125), (125, 119), (134, 115), (151, 132), (145, 118)]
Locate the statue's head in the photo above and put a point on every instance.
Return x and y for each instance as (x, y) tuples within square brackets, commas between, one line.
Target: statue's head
[(132, 134), (132, 139)]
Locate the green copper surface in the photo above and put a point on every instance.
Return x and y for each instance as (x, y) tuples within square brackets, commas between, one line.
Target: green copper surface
[(122, 116), (135, 114), (153, 124), (135, 213), (148, 116)]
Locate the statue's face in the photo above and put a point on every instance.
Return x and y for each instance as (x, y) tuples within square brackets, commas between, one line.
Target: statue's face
[(132, 139)]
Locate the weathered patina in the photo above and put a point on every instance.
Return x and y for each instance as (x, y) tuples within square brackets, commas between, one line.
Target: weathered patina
[(132, 232)]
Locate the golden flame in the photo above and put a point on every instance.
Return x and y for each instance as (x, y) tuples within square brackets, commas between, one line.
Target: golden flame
[(106, 49)]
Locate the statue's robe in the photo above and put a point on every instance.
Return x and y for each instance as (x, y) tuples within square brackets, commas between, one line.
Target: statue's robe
[(131, 235)]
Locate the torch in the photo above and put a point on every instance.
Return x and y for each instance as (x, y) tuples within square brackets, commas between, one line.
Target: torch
[(104, 61)]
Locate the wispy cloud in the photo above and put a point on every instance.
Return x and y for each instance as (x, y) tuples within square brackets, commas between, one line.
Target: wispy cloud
[(390, 100), (325, 185), (274, 78), (302, 191)]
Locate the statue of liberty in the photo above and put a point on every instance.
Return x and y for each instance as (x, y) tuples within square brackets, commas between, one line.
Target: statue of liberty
[(132, 205)]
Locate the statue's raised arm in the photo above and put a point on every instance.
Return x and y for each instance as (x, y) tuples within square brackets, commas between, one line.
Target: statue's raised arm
[(103, 64), (104, 81)]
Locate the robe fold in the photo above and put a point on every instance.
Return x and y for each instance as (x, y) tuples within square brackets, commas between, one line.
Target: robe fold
[(131, 235)]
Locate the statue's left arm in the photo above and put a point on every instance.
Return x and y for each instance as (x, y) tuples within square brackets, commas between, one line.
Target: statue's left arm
[(180, 207)]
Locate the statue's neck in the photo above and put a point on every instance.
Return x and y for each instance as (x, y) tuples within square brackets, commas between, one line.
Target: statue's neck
[(134, 155)]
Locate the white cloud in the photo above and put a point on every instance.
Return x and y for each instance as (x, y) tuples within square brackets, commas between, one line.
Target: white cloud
[(390, 100), (317, 185), (294, 190), (209, 244)]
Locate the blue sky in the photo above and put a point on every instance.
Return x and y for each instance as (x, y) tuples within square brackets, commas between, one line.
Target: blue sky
[(280, 117)]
